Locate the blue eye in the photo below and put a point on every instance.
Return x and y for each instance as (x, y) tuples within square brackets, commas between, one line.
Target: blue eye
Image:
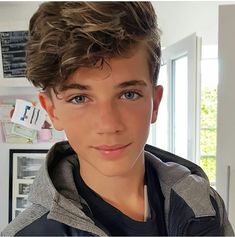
[(78, 99), (130, 95)]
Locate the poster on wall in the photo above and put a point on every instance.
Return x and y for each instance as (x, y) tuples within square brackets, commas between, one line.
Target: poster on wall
[(24, 166), (12, 57), (12, 49)]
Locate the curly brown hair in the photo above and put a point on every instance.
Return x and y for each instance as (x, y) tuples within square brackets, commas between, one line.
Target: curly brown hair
[(65, 36)]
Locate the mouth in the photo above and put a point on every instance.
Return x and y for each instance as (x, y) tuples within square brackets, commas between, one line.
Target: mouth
[(113, 150)]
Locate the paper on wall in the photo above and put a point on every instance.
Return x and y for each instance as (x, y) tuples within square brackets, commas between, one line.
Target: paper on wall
[(13, 138), (28, 114), (23, 131)]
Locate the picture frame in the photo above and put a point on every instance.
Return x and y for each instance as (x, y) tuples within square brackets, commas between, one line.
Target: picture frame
[(24, 166), (11, 55)]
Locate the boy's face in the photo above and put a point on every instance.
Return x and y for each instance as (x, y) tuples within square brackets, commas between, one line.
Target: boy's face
[(106, 114)]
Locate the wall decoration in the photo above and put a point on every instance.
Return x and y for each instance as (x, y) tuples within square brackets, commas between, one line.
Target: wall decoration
[(24, 166), (13, 53)]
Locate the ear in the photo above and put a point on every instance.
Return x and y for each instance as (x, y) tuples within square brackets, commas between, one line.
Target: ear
[(157, 96), (47, 103)]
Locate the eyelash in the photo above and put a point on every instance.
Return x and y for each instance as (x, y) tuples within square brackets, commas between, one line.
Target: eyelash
[(139, 95), (77, 96)]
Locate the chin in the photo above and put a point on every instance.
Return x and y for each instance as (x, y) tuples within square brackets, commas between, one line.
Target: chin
[(115, 171)]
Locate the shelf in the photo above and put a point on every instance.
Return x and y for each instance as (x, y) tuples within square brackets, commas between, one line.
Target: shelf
[(15, 82)]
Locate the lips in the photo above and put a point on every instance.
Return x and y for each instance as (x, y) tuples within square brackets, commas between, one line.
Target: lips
[(111, 148), (113, 151)]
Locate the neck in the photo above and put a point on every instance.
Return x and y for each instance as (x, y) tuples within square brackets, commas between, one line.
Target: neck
[(125, 192)]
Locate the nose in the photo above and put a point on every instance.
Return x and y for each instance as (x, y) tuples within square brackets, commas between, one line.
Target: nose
[(109, 119)]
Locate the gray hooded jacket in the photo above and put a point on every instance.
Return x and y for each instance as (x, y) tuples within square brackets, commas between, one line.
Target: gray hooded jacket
[(192, 207)]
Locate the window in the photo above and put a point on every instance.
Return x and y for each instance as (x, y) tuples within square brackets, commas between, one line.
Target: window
[(180, 106), (176, 127), (176, 122), (209, 83)]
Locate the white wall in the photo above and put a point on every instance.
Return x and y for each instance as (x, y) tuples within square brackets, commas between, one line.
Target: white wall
[(178, 19), (226, 109)]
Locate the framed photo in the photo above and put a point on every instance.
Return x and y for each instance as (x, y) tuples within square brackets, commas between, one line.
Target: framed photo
[(24, 166)]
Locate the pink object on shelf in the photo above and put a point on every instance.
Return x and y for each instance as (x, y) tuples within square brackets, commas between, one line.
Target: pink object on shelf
[(44, 135)]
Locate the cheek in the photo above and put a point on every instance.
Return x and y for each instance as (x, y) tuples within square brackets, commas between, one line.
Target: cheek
[(70, 115), (75, 124), (139, 118)]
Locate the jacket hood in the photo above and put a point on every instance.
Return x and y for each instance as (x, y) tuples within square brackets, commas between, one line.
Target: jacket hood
[(54, 187), (166, 157)]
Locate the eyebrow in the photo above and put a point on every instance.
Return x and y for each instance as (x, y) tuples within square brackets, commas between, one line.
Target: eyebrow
[(131, 83), (75, 86), (121, 85)]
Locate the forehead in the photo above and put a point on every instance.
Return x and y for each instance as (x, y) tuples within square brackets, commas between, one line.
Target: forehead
[(132, 67)]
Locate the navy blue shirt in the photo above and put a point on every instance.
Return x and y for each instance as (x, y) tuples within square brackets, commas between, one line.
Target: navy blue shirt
[(114, 222)]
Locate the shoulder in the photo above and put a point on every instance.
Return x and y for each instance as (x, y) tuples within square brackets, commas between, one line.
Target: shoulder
[(187, 190), (34, 222), (43, 227), (26, 218)]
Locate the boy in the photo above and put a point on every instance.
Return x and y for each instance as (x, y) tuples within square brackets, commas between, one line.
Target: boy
[(98, 63)]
